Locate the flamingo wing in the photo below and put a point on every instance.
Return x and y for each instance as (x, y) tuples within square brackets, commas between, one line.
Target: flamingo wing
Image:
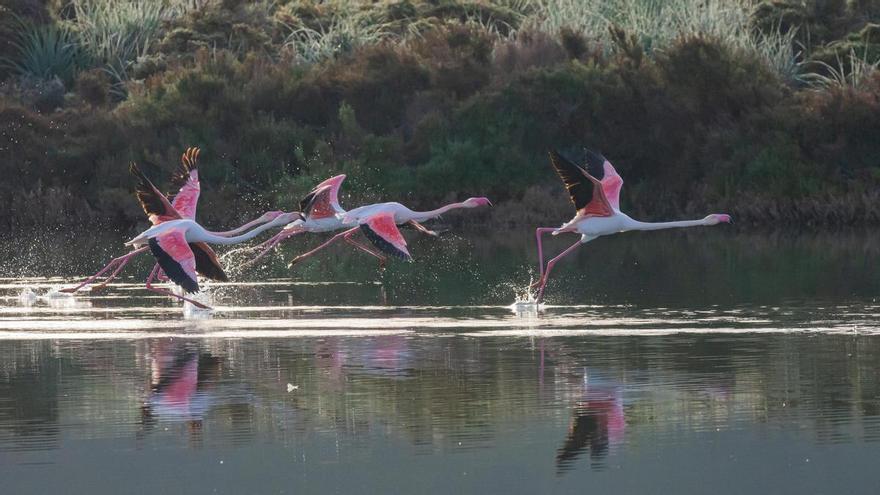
[(155, 204), (176, 258), (599, 167), (186, 178), (207, 264), (323, 200), (382, 231), (584, 189)]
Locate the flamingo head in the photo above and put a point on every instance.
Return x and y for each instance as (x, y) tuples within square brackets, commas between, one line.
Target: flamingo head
[(475, 202), (716, 218)]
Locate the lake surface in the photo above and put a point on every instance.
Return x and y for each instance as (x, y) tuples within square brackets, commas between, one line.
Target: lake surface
[(709, 361)]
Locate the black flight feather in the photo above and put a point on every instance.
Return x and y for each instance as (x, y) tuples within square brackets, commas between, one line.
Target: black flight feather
[(172, 268), (383, 245)]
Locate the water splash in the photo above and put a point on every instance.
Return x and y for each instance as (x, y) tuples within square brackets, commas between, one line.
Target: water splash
[(27, 297), (235, 261), (525, 303)]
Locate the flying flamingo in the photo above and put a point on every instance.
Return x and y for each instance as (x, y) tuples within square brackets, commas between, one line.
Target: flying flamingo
[(321, 212), (179, 243), (185, 202), (379, 224), (595, 193)]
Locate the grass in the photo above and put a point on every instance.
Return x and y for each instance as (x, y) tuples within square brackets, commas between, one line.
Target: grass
[(345, 31), (853, 72), (656, 24), (117, 32)]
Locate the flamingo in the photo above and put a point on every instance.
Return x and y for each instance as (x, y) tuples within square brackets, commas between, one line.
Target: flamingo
[(179, 243), (379, 224), (321, 212), (185, 202), (595, 192)]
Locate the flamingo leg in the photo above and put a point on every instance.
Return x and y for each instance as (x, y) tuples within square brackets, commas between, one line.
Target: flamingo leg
[(539, 232), (113, 275), (551, 264), (120, 261), (168, 292), (365, 249), (421, 228), (333, 239), (271, 243)]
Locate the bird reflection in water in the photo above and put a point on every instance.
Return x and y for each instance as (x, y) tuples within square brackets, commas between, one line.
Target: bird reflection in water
[(384, 355), (597, 427), (181, 381)]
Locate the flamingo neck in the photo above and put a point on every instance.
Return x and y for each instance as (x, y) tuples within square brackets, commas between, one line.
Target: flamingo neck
[(239, 230), (213, 238), (425, 215), (666, 225)]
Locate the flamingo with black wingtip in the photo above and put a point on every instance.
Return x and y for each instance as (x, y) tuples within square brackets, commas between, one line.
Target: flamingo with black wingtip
[(321, 212), (595, 192), (179, 243), (379, 224), (185, 202)]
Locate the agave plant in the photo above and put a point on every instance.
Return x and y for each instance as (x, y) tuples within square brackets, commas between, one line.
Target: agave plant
[(45, 52)]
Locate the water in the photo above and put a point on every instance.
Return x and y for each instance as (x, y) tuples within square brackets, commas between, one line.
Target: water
[(668, 363)]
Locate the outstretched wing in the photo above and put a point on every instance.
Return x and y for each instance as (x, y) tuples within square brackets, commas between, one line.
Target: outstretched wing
[(584, 189), (382, 231), (154, 203), (323, 200), (585, 432), (599, 167), (207, 264), (174, 255), (186, 178)]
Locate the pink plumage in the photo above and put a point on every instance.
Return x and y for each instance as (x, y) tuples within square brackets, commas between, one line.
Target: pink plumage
[(176, 258), (611, 185), (382, 230), (323, 201), (187, 198)]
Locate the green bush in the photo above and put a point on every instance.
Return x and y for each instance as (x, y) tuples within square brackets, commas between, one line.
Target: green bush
[(453, 99)]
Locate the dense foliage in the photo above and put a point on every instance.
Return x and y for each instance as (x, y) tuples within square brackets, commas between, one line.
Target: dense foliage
[(767, 110)]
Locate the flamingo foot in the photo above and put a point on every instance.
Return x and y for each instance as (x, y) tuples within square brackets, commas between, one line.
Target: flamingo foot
[(68, 290), (294, 261)]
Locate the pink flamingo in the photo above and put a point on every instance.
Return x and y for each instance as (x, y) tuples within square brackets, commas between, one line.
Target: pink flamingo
[(179, 243), (379, 224), (595, 193), (184, 202), (319, 212)]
